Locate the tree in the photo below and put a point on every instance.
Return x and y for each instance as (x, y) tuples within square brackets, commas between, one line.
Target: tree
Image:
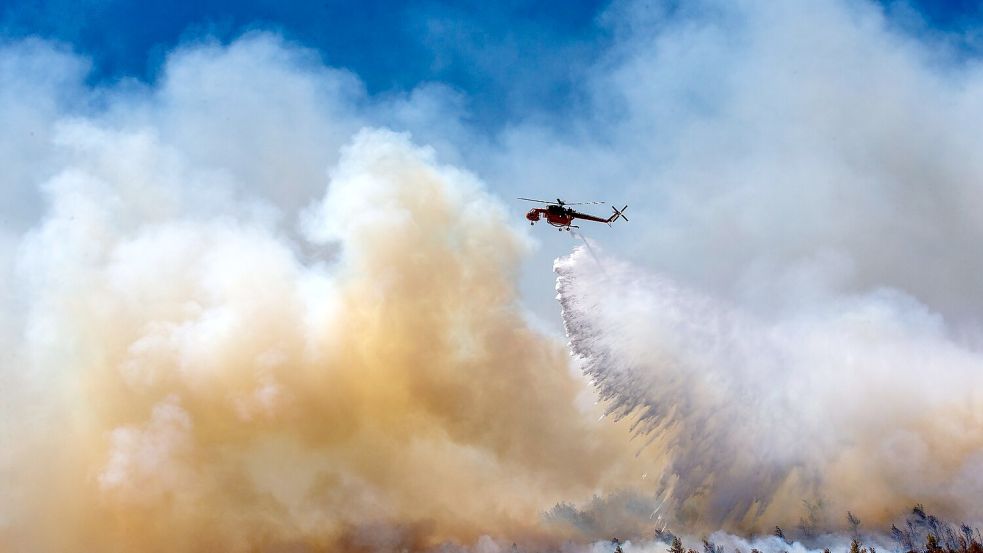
[(967, 533), (854, 523), (809, 524), (676, 547), (903, 538), (932, 545), (710, 547), (855, 547)]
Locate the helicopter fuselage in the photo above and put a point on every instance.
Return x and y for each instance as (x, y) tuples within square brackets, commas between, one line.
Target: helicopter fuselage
[(554, 215), (561, 217)]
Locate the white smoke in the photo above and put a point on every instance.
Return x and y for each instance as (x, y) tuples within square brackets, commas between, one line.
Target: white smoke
[(798, 317), (792, 311), (773, 152), (867, 402)]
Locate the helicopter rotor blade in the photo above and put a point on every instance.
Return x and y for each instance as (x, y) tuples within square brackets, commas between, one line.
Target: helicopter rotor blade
[(559, 202)]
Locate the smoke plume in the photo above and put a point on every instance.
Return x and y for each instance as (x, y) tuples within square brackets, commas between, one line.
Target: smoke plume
[(208, 388), (198, 358), (866, 403), (250, 306)]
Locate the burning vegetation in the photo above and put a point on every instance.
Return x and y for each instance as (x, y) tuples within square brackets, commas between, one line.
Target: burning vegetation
[(919, 532)]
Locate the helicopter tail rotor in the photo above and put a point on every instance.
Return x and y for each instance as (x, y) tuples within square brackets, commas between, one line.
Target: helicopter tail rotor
[(618, 214)]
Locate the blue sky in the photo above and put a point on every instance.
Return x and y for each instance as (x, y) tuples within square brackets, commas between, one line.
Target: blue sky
[(511, 59), (501, 54)]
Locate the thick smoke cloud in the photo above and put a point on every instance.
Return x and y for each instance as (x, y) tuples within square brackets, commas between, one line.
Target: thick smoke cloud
[(866, 404), (245, 320), (792, 312), (775, 152), (238, 313)]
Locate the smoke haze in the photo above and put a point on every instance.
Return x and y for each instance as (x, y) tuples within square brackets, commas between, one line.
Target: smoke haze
[(249, 306)]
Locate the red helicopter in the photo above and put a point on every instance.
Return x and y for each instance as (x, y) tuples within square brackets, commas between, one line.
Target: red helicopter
[(559, 215)]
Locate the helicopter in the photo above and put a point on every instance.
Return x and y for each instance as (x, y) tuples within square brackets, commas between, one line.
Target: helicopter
[(560, 216)]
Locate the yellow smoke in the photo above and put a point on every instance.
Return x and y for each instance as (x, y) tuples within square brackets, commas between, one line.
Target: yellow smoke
[(218, 387)]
